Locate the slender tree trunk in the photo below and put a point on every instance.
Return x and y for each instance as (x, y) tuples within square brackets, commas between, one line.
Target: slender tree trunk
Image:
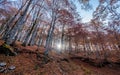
[(62, 38), (50, 33), (41, 35)]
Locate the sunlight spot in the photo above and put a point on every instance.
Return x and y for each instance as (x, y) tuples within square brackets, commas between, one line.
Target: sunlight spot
[(59, 46)]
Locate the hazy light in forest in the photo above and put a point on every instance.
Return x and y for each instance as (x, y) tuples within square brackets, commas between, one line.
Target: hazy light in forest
[(59, 46)]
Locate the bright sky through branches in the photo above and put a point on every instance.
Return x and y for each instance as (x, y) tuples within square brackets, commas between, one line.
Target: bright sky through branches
[(86, 15), (12, 0)]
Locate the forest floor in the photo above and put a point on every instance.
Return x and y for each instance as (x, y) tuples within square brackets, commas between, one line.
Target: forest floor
[(27, 62)]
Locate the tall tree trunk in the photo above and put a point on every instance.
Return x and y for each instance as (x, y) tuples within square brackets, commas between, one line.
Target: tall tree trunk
[(62, 38), (18, 25), (50, 33), (8, 28)]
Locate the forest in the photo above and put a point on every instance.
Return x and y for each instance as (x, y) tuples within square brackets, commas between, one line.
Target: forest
[(59, 37)]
